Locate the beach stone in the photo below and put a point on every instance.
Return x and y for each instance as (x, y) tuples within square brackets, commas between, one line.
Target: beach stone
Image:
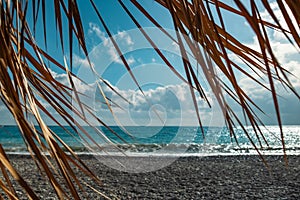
[(216, 177)]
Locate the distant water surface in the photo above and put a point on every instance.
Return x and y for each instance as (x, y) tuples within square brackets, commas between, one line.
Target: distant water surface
[(164, 140)]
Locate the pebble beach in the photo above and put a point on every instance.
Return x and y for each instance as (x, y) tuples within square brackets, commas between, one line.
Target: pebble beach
[(212, 177)]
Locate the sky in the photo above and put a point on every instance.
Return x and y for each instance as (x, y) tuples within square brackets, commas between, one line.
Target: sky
[(165, 99)]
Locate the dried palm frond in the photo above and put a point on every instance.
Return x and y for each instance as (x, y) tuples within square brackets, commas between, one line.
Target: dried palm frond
[(195, 20), (25, 79)]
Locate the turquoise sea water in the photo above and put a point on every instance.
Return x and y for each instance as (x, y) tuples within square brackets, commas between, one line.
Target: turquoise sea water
[(163, 140)]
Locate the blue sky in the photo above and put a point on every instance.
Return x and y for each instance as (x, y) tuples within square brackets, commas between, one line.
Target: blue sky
[(167, 99)]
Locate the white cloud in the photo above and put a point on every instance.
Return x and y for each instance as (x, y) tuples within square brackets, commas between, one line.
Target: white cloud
[(81, 87), (171, 97), (95, 29), (124, 36), (121, 38), (277, 12), (173, 102), (284, 51), (130, 60), (288, 57), (81, 62), (62, 78)]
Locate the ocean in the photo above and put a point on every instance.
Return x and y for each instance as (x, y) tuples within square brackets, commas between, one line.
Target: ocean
[(168, 140)]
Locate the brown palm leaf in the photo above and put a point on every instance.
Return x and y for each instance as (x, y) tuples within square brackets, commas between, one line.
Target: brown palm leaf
[(25, 78)]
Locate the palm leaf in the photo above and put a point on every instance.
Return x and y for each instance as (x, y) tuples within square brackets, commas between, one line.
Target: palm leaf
[(196, 17), (25, 78)]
